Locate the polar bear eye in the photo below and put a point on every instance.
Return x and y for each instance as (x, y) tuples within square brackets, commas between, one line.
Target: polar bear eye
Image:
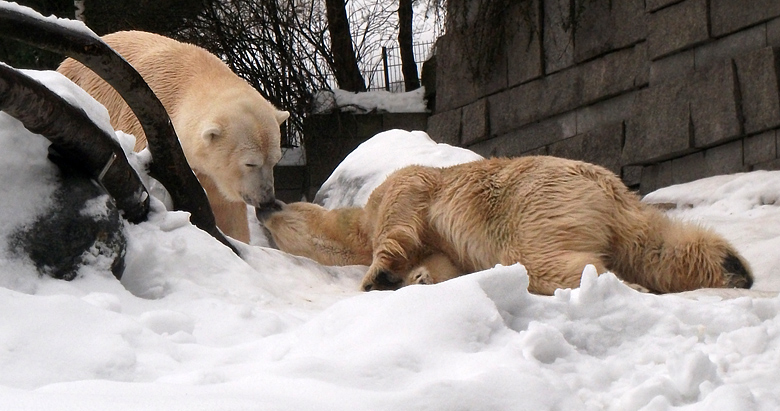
[(251, 165)]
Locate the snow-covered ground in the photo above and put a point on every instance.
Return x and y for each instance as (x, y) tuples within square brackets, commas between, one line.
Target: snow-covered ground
[(193, 327)]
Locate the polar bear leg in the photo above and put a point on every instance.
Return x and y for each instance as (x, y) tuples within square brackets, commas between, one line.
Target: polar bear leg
[(561, 270), (400, 224)]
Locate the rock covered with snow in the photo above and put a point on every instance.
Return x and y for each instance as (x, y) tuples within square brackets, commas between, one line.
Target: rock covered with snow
[(370, 102), (371, 162)]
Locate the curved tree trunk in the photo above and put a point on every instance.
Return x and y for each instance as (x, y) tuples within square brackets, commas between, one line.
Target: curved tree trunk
[(169, 166), (44, 112), (345, 63)]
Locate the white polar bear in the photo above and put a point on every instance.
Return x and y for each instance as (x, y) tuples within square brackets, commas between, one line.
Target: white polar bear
[(228, 131)]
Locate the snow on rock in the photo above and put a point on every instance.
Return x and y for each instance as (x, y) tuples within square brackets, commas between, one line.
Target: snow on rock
[(370, 102), (371, 162)]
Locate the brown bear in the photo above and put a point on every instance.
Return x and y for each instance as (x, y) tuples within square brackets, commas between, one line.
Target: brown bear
[(428, 224), (228, 131)]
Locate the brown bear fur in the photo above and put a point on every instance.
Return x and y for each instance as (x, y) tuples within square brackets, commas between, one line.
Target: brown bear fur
[(552, 215), (229, 133)]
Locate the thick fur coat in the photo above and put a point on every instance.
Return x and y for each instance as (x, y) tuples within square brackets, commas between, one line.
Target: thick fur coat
[(426, 224), (228, 131)]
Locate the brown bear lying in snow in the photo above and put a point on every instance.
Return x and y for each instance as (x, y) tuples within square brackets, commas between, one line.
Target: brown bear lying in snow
[(427, 224)]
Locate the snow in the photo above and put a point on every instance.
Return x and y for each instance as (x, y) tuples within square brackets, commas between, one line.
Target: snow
[(193, 327), (375, 101), (72, 25)]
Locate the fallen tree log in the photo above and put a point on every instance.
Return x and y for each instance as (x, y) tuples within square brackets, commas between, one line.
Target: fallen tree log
[(168, 166)]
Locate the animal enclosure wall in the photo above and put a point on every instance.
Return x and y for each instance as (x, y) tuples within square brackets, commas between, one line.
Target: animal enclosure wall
[(660, 92), (329, 139)]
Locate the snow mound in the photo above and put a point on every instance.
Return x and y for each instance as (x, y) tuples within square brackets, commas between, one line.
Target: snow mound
[(352, 182)]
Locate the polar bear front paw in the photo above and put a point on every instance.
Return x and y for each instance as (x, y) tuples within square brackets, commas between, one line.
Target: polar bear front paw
[(381, 279), (420, 275)]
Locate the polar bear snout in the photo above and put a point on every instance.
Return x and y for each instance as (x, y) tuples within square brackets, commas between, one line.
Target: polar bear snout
[(264, 211), (263, 199), (257, 186)]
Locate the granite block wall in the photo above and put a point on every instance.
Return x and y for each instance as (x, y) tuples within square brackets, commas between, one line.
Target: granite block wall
[(659, 91), (331, 137)]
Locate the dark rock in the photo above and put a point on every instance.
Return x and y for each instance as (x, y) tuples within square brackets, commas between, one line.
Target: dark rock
[(82, 224)]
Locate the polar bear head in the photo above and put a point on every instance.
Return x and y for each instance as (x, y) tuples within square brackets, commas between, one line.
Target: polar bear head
[(235, 140)]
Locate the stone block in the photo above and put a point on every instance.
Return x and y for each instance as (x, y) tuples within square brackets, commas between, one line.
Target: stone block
[(613, 110), (760, 148), (653, 5), (444, 127), (456, 81), (541, 151), (368, 125), (720, 160), (772, 165), (728, 16), (405, 121), (655, 176), (773, 33), (689, 168), (614, 73), (534, 101), (724, 159), (671, 67), (290, 183), (660, 126), (474, 124), (329, 138), (714, 110), (602, 146), (631, 176), (524, 48), (604, 26), (569, 148), (758, 83), (558, 35), (726, 48), (528, 138), (677, 27)]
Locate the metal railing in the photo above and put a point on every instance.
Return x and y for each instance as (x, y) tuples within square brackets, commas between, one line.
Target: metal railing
[(388, 75)]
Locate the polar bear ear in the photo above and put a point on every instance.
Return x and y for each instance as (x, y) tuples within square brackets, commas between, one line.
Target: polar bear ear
[(281, 116), (210, 133)]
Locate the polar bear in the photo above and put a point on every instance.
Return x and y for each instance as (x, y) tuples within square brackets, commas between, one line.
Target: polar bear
[(229, 133), (553, 215)]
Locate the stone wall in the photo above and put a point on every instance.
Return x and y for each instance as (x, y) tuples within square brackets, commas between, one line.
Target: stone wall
[(331, 137), (659, 91)]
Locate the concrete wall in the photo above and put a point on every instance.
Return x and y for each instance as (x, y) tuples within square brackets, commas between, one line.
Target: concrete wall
[(659, 91)]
